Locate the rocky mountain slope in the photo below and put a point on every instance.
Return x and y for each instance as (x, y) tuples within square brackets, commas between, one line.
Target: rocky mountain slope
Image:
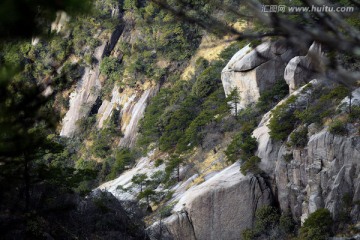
[(196, 135), (320, 173)]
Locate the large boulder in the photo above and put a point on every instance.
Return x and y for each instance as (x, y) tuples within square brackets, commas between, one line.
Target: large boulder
[(220, 208), (301, 69), (253, 71)]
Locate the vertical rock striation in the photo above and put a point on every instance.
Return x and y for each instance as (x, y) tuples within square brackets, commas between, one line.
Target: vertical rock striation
[(85, 95), (134, 111)]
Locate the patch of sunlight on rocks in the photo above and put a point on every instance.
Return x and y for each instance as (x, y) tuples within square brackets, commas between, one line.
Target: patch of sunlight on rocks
[(213, 162)]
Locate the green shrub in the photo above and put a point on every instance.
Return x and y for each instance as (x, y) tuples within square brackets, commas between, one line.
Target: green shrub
[(338, 93), (241, 148), (234, 99), (299, 137), (323, 104), (169, 195), (271, 97), (287, 224), (256, 42), (283, 120), (173, 165), (123, 158), (85, 164), (101, 146), (84, 125), (151, 125), (110, 67), (232, 152), (338, 128), (158, 162), (157, 178), (354, 115), (213, 110), (178, 123), (251, 166), (166, 210), (288, 157), (89, 60), (243, 144), (267, 217), (248, 234), (317, 226), (207, 82)]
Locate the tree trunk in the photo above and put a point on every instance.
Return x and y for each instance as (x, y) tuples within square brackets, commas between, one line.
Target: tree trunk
[(178, 172), (26, 183), (236, 115), (160, 226), (350, 98)]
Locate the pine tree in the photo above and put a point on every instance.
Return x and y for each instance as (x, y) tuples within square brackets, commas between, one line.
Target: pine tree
[(140, 180), (174, 163), (234, 99)]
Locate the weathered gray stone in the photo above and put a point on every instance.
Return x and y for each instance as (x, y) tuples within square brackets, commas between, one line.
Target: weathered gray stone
[(320, 175), (255, 71), (220, 208), (316, 176), (301, 69)]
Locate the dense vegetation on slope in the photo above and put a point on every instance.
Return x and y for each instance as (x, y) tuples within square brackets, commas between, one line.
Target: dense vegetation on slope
[(180, 116)]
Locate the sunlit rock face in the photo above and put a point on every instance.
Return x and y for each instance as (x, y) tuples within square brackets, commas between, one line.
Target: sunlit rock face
[(131, 103), (85, 95), (253, 71), (60, 22), (144, 165), (301, 69), (131, 114), (219, 208)]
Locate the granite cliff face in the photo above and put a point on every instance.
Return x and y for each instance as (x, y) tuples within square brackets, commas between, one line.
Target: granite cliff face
[(318, 175), (85, 95), (86, 99), (220, 208)]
